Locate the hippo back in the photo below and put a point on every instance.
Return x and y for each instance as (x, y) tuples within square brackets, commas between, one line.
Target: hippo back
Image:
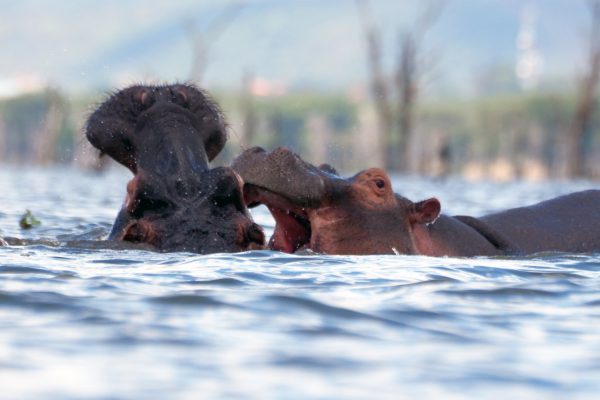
[(569, 223)]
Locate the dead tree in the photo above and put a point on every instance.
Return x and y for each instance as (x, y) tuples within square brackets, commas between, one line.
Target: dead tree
[(409, 71), (396, 123), (379, 84), (248, 111), (586, 102), (406, 84), (202, 38)]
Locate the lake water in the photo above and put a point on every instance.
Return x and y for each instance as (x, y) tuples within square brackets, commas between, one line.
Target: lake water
[(78, 320)]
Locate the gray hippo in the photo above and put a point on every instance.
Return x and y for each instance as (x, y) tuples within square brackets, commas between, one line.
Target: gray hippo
[(166, 135), (316, 209)]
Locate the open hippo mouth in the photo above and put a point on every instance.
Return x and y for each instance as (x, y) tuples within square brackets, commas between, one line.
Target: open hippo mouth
[(292, 223), (293, 190)]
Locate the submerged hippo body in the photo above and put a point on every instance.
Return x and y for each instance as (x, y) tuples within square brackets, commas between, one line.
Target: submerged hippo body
[(166, 135), (316, 209)]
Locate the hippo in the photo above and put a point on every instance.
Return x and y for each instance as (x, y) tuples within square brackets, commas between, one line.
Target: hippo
[(316, 209), (166, 136)]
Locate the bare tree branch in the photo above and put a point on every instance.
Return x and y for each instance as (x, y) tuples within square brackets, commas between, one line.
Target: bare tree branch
[(587, 99), (409, 70), (379, 88), (202, 39), (407, 87), (249, 123), (428, 17)]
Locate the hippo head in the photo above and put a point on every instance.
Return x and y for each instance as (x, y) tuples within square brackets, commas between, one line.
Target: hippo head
[(166, 135), (316, 209)]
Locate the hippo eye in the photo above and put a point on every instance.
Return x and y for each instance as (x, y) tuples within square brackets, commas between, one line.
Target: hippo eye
[(380, 183)]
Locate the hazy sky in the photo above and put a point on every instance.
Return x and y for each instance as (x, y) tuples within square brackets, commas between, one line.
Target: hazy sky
[(316, 43)]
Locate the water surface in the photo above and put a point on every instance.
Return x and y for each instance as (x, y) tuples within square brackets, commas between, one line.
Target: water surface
[(85, 321)]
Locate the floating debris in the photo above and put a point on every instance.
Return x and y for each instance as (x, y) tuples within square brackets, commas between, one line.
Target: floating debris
[(28, 220)]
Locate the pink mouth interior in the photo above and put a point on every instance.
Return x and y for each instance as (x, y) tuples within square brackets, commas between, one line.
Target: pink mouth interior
[(292, 224)]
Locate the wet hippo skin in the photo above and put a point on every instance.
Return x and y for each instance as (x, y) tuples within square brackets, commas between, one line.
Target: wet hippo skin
[(166, 135), (316, 209)]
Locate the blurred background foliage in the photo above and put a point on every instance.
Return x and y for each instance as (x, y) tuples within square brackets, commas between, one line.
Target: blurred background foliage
[(415, 94)]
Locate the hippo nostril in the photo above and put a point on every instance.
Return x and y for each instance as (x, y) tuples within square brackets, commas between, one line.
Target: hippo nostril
[(145, 97), (180, 97), (285, 158), (281, 152)]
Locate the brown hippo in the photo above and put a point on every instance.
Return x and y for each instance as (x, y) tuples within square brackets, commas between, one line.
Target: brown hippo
[(166, 135), (316, 209)]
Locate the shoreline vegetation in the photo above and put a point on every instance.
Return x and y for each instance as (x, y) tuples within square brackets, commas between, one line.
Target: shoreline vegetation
[(501, 137)]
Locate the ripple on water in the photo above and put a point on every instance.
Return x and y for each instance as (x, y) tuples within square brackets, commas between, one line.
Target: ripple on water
[(225, 282), (189, 299), (41, 301), (507, 292), (316, 362), (38, 273), (15, 269), (117, 261)]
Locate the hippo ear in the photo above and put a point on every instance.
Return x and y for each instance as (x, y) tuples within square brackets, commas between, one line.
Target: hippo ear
[(425, 212)]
